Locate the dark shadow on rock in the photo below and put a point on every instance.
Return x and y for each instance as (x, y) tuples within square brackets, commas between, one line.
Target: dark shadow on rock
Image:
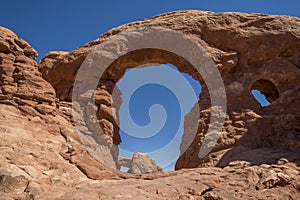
[(264, 145)]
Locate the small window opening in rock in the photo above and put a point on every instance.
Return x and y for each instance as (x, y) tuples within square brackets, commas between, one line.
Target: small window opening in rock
[(124, 169), (264, 91), (150, 116), (262, 100)]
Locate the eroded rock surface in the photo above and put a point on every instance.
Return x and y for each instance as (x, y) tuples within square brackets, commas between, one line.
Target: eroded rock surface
[(141, 163), (257, 156), (251, 51)]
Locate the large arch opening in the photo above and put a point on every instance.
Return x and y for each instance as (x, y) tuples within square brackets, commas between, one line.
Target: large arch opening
[(149, 94), (141, 59)]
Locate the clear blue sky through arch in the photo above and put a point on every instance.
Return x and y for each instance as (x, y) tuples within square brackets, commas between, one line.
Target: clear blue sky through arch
[(65, 25), (163, 87)]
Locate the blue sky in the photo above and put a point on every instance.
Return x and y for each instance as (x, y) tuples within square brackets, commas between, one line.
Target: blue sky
[(65, 24)]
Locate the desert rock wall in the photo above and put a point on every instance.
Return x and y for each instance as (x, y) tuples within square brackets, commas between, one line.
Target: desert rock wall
[(256, 157), (251, 51)]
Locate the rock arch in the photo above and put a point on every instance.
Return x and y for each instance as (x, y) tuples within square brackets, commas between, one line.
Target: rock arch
[(245, 50), (92, 68), (41, 152)]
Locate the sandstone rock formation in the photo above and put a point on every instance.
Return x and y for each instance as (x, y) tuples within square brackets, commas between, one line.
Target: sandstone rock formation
[(142, 164), (257, 156)]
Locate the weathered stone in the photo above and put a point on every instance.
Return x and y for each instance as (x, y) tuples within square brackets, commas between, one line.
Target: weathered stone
[(142, 164), (107, 113), (19, 72), (45, 109), (102, 97), (42, 156), (125, 162)]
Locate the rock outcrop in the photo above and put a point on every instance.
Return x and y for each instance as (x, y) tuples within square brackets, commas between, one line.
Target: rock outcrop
[(257, 156), (22, 84), (142, 164), (251, 51)]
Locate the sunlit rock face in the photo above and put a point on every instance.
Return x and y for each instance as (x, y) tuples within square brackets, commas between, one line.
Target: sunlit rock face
[(142, 164), (42, 155)]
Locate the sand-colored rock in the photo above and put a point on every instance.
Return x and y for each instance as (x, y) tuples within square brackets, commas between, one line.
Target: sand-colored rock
[(252, 51), (141, 163), (42, 155)]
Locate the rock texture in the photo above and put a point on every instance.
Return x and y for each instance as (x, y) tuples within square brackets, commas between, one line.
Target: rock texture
[(251, 51), (257, 157), (142, 164), (22, 84)]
